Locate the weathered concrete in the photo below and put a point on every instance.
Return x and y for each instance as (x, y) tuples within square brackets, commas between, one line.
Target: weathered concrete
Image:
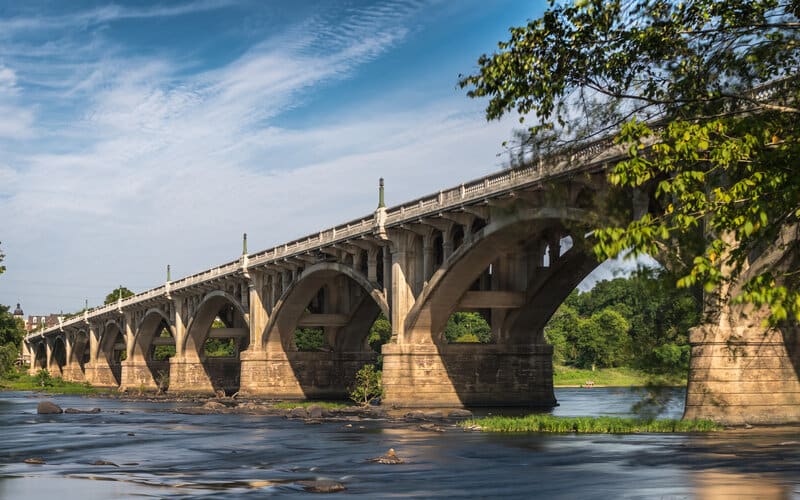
[(746, 374), (458, 375), (301, 375)]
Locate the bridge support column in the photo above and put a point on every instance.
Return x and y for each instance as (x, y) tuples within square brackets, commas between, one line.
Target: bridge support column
[(188, 375), (71, 371), (300, 375), (98, 371), (136, 374), (456, 375), (744, 374)]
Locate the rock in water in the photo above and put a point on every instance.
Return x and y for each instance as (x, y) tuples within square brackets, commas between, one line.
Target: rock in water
[(298, 412), (315, 411), (390, 458), (214, 405), (77, 411), (104, 462), (322, 486), (48, 408), (460, 414), (35, 461)]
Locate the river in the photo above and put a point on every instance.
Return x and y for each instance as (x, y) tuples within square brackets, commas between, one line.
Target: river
[(160, 454)]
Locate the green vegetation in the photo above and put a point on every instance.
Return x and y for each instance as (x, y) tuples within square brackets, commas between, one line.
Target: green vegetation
[(467, 327), (379, 333), (367, 385), (43, 381), (310, 339), (163, 352), (11, 334), (116, 294), (606, 425), (623, 376), (721, 172), (219, 347), (640, 322), (330, 405)]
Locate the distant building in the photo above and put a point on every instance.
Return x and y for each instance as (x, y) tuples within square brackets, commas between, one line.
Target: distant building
[(18, 314), (38, 322)]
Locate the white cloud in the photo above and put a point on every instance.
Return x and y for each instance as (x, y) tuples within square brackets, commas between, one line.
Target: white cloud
[(159, 168)]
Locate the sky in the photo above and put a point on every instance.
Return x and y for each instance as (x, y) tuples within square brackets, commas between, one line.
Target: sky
[(139, 134)]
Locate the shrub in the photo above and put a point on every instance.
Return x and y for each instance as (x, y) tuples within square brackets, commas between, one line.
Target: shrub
[(367, 386), (43, 378)]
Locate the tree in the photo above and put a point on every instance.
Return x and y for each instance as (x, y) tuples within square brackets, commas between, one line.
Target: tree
[(379, 333), (2, 267), (11, 334), (675, 81), (467, 327), (118, 293), (602, 340)]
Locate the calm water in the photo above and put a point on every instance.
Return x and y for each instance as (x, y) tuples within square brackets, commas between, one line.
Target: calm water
[(165, 455)]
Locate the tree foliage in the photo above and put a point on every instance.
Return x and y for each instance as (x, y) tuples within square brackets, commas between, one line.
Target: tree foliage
[(640, 321), (675, 81), (115, 295), (367, 386), (467, 327)]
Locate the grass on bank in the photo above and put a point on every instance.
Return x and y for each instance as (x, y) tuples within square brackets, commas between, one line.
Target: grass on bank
[(604, 425), (44, 382), (565, 376)]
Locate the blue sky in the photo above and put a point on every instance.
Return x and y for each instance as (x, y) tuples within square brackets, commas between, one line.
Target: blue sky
[(139, 134)]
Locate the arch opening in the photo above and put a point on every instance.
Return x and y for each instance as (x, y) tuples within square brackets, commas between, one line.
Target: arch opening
[(58, 357), (80, 350), (40, 357), (324, 324), (216, 336)]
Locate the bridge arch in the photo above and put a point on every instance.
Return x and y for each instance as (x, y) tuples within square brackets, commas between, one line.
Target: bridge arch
[(293, 302), (79, 354), (524, 231), (112, 347), (345, 312), (40, 355), (221, 373), (58, 356)]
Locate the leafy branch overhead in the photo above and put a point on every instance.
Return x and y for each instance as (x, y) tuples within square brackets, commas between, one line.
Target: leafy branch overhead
[(704, 96)]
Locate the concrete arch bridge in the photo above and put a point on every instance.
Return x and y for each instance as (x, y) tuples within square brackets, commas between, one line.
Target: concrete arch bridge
[(510, 245)]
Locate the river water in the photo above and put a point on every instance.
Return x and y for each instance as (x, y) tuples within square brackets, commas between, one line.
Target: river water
[(161, 454)]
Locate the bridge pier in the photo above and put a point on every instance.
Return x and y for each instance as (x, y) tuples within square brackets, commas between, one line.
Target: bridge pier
[(457, 375), (744, 374), (188, 375), (136, 374), (301, 375), (99, 373)]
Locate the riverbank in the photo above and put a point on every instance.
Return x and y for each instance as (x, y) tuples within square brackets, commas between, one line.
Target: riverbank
[(567, 376), (43, 382)]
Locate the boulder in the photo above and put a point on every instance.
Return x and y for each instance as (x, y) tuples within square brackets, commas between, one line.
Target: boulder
[(214, 405), (434, 415), (415, 415), (390, 458), (298, 412), (35, 461), (460, 414), (322, 486), (315, 411), (77, 411), (48, 408)]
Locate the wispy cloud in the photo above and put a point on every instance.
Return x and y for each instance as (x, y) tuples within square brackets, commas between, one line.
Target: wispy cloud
[(138, 163), (104, 14)]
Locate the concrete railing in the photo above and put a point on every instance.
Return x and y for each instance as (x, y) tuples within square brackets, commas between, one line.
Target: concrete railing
[(494, 184)]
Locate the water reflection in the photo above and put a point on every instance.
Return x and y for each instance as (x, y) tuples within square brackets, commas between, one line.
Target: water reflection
[(715, 484)]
